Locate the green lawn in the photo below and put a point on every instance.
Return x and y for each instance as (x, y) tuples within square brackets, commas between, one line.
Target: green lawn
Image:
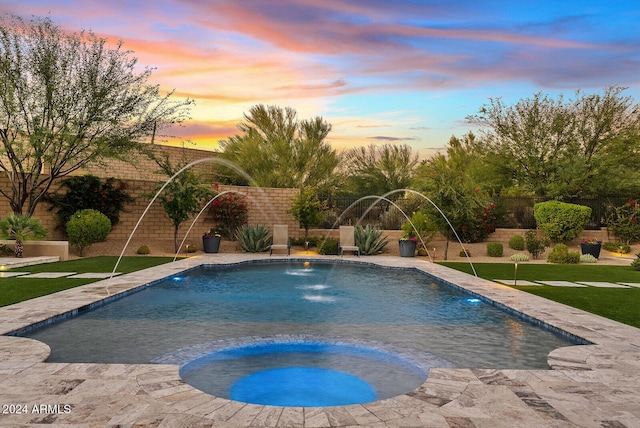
[(14, 290), (613, 303)]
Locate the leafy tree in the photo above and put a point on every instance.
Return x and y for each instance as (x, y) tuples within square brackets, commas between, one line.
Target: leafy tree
[(21, 228), (278, 150), (67, 100), (558, 148), (183, 196), (453, 191), (308, 210), (376, 170)]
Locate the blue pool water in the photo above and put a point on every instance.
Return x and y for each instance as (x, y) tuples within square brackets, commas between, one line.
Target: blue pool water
[(307, 373), (394, 306)]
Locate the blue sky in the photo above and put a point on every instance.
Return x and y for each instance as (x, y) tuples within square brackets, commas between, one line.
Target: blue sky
[(402, 71)]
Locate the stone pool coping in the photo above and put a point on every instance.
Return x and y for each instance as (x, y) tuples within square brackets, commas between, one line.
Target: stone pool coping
[(589, 385)]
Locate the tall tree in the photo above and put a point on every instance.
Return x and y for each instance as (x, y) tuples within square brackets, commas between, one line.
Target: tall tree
[(558, 148), (278, 150), (67, 100), (376, 170), (445, 180)]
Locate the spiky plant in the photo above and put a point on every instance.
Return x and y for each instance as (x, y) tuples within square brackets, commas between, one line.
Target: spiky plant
[(369, 240), (21, 228), (254, 239)]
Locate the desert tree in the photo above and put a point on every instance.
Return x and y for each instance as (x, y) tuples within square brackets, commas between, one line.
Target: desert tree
[(378, 169), (277, 149), (558, 147), (68, 100)]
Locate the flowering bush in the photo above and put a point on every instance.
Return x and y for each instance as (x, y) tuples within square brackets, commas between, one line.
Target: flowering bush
[(409, 239), (624, 222), (229, 212), (477, 229), (90, 192)]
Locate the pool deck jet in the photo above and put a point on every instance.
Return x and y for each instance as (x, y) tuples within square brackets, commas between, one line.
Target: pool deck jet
[(594, 385)]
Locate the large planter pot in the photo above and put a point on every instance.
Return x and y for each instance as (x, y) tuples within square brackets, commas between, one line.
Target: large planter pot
[(211, 244), (407, 248), (593, 249)]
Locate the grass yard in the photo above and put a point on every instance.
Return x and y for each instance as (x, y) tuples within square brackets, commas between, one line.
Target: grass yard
[(613, 303), (14, 290)]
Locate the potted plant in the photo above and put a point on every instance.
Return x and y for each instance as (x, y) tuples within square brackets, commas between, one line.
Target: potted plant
[(211, 241), (407, 246), (591, 246)]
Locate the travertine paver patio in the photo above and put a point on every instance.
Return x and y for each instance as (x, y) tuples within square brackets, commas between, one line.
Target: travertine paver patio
[(589, 386)]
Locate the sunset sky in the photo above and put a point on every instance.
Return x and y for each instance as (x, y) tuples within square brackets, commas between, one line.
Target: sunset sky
[(403, 71)]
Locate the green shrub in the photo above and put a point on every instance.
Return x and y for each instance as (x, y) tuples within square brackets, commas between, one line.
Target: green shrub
[(495, 249), (616, 247), (86, 227), (534, 245), (464, 253), (636, 263), (328, 246), (312, 240), (519, 257), (143, 250), (369, 240), (562, 222), (561, 255), (191, 248), (254, 239), (588, 258), (516, 242), (6, 250)]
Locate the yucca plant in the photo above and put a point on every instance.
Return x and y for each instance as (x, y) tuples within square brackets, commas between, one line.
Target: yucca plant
[(254, 239), (21, 228), (369, 240)]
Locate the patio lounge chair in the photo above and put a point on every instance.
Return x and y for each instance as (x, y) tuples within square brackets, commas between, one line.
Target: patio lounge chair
[(280, 239), (347, 240)]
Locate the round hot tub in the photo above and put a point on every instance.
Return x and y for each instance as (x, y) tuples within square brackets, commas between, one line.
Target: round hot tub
[(304, 371)]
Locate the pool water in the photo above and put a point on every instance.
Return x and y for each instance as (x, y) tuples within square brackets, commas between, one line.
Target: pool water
[(305, 373), (401, 307)]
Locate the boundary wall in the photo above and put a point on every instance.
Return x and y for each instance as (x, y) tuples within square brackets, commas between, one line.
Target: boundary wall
[(267, 206)]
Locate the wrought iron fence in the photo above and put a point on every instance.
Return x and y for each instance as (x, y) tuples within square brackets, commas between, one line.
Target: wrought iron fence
[(512, 212)]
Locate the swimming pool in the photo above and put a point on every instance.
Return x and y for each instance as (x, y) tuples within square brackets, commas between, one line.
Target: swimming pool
[(405, 308), (211, 303)]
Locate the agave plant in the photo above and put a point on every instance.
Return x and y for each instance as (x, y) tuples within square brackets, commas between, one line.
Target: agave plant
[(369, 240), (21, 228), (254, 239)]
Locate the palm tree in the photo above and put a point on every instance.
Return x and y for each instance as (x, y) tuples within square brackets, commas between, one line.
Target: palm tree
[(21, 228)]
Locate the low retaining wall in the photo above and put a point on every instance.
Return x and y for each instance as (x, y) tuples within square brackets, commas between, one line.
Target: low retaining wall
[(43, 248)]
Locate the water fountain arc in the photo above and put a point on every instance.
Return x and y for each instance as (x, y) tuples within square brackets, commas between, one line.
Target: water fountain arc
[(379, 198), (415, 192), (184, 168), (186, 235)]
